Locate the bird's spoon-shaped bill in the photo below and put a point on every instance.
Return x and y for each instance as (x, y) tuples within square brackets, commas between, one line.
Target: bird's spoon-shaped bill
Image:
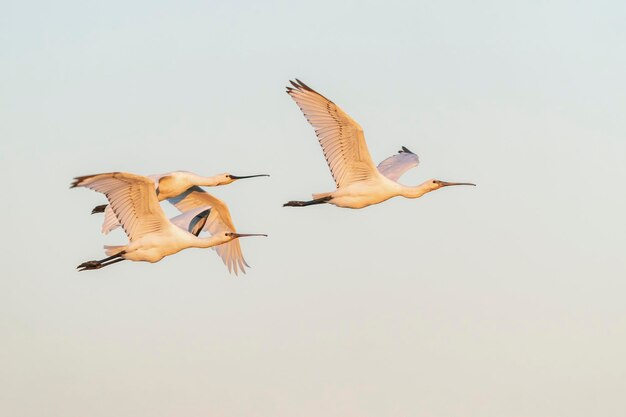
[(446, 184), (235, 177), (238, 235)]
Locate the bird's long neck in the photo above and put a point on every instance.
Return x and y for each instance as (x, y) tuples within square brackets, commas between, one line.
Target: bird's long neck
[(172, 184), (195, 179), (206, 242), (414, 191), (206, 181)]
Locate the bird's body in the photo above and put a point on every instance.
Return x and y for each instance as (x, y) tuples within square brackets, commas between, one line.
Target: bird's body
[(359, 182), (371, 191), (363, 193), (152, 236), (170, 185), (167, 241)]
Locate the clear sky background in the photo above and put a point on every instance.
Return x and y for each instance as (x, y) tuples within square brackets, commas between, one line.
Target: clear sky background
[(506, 299)]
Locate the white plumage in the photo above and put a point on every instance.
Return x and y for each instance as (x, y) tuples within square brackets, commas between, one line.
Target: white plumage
[(359, 182), (152, 236), (170, 185)]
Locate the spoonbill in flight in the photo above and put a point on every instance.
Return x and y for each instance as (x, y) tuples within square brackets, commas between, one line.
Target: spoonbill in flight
[(359, 182), (152, 236), (170, 185)]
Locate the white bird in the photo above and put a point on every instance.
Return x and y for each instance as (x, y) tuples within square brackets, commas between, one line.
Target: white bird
[(170, 185), (152, 236), (359, 182)]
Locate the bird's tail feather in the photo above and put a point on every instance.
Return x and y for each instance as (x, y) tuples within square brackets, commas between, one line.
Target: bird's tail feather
[(321, 195), (112, 250)]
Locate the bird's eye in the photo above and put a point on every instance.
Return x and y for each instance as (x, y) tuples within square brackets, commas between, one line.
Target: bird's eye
[(434, 182)]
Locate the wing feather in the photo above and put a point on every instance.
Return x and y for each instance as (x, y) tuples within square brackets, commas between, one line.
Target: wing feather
[(341, 138), (132, 199), (396, 165), (219, 221)]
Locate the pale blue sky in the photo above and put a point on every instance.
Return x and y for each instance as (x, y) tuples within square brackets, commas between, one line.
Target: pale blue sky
[(502, 300)]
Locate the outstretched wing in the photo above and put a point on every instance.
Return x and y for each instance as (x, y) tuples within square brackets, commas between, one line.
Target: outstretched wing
[(396, 165), (341, 138), (132, 199), (219, 221), (110, 221)]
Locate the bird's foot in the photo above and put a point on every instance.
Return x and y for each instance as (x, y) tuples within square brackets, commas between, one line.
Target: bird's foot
[(89, 265), (294, 204), (308, 203)]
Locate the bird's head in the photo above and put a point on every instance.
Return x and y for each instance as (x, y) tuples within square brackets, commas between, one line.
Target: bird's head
[(225, 178), (434, 184)]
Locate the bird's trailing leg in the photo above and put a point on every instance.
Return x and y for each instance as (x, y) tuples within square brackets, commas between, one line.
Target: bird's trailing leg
[(308, 203), (89, 265), (99, 209)]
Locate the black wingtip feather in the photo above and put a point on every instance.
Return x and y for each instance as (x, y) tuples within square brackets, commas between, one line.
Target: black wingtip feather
[(78, 180), (99, 209), (405, 150), (300, 86), (303, 85)]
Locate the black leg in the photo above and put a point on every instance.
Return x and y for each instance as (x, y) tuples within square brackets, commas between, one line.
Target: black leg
[(89, 265), (308, 203), (114, 261)]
